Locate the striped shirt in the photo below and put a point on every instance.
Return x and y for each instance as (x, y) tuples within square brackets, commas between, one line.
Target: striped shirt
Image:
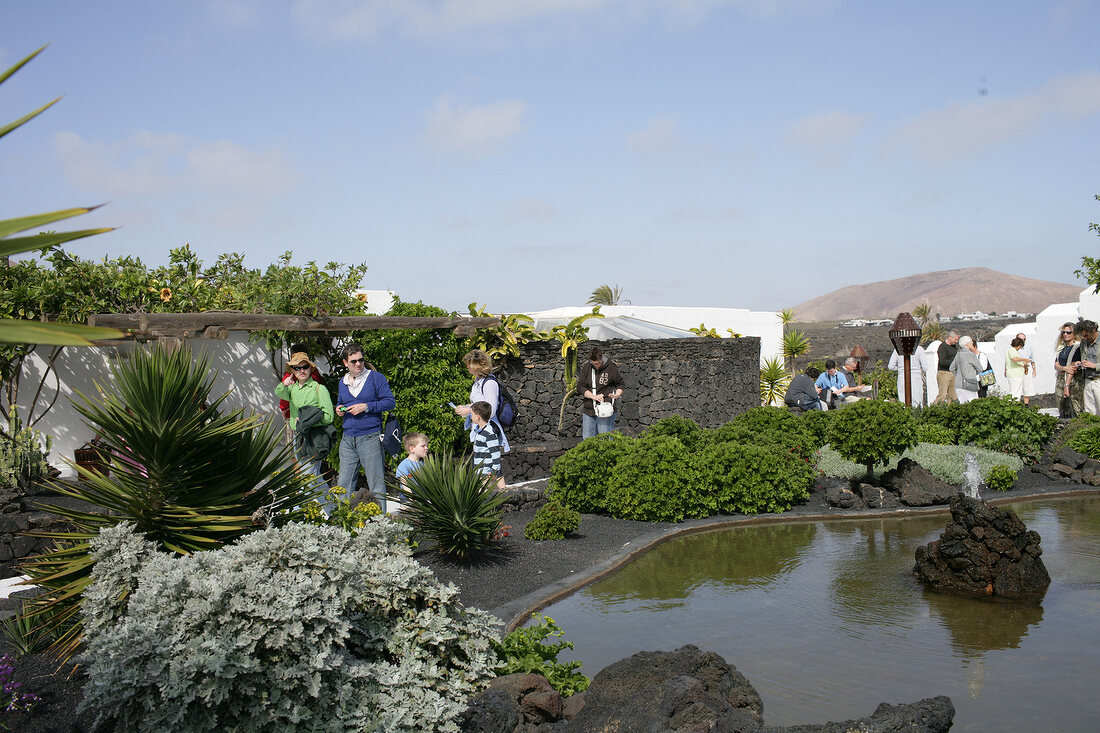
[(486, 449)]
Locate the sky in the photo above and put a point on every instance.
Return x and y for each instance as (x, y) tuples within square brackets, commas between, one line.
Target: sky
[(520, 153)]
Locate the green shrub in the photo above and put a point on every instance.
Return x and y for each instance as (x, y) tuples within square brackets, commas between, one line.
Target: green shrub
[(948, 415), (579, 478), (871, 431), (656, 481), (290, 629), (816, 424), (749, 479), (1087, 441), (767, 426), (1007, 425), (887, 380), (1070, 431), (452, 504), (552, 522), (1001, 477), (344, 515), (946, 462), (524, 650), (675, 426), (933, 433)]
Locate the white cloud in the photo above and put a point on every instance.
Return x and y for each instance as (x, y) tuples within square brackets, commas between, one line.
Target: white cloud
[(151, 164), (227, 165), (965, 128), (368, 19), (460, 126), (531, 210), (660, 134), (830, 127)]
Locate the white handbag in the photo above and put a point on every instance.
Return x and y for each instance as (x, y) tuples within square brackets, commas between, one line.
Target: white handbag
[(602, 409)]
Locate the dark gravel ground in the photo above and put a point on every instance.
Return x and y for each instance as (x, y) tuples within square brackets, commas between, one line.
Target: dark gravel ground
[(520, 577)]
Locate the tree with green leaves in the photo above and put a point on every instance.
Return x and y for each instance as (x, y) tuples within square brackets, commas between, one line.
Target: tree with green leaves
[(1090, 266)]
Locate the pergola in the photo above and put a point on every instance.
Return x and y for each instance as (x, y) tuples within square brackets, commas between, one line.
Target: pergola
[(218, 324)]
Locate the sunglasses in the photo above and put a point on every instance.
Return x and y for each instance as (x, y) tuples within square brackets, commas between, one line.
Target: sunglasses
[(1067, 333), (356, 361), (301, 368)]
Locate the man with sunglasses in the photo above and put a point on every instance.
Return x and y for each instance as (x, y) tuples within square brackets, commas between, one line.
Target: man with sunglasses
[(363, 395), (1090, 357)]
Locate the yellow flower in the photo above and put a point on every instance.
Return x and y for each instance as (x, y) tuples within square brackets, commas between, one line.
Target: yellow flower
[(166, 294), (362, 297)]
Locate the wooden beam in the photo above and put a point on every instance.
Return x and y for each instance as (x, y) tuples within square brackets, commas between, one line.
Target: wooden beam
[(217, 324)]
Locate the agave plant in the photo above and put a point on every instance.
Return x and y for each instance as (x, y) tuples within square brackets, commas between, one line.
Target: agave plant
[(774, 381), (450, 503), (189, 477)]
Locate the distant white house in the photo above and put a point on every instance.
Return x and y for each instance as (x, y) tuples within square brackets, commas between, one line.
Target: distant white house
[(652, 321)]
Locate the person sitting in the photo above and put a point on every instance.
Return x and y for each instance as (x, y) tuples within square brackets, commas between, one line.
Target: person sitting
[(802, 392), (833, 386)]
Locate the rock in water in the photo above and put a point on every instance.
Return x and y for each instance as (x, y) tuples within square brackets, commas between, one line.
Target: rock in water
[(984, 551)]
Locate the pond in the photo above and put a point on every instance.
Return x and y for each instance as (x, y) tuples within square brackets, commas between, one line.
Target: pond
[(826, 620)]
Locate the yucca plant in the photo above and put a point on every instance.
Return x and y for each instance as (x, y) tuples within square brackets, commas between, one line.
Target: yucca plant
[(795, 344), (450, 503), (774, 381), (187, 476)]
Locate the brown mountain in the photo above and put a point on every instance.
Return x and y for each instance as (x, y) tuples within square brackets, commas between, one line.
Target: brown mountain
[(949, 292)]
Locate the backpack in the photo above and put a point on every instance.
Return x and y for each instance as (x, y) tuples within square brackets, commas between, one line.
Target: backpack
[(391, 435), (506, 404)]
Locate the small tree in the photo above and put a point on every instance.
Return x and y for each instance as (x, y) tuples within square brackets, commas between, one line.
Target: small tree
[(872, 431), (606, 295), (1090, 266)]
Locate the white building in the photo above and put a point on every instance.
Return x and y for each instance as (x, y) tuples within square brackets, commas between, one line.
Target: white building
[(652, 321)]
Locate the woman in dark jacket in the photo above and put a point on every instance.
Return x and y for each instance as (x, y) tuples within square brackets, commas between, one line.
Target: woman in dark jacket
[(600, 384)]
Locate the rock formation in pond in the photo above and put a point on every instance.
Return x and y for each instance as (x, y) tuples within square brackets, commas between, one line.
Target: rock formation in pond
[(984, 551), (685, 690)]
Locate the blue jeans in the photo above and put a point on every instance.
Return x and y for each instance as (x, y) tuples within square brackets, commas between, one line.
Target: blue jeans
[(591, 426), (365, 451)]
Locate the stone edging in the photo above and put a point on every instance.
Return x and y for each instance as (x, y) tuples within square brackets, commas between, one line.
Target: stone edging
[(516, 612)]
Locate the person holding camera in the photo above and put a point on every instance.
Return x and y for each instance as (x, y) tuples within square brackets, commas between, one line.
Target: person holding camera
[(601, 384), (1090, 356)]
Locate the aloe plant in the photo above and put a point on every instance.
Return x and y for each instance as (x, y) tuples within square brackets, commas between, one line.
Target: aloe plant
[(186, 475)]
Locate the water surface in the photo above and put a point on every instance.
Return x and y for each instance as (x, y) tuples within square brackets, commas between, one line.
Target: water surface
[(826, 620)]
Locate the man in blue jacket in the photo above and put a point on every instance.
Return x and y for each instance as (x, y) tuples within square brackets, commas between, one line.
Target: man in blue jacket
[(363, 396)]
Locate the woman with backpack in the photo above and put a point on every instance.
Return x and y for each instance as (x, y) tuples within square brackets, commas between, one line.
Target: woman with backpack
[(485, 388), (600, 383)]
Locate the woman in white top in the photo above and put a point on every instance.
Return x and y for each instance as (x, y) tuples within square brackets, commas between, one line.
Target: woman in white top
[(484, 389)]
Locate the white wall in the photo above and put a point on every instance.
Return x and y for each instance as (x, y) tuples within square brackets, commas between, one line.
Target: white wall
[(243, 369)]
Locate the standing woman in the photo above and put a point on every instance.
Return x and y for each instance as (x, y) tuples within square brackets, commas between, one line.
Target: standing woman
[(601, 384), (1015, 368), (966, 367), (1070, 393), (310, 413), (484, 389)]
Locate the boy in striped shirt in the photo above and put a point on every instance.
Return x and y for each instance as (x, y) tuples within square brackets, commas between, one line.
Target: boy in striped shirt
[(486, 442)]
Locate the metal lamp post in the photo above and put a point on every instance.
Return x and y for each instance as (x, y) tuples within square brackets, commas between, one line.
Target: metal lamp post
[(905, 336)]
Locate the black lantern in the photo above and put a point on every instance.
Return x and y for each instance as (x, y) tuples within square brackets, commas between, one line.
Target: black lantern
[(905, 336)]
